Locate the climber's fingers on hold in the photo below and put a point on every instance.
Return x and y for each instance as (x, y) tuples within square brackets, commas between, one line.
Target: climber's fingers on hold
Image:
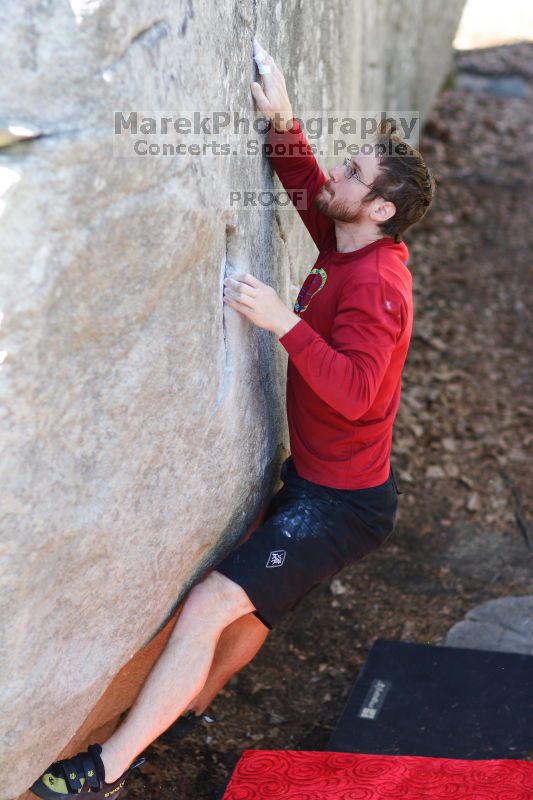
[(263, 103), (265, 63), (261, 57)]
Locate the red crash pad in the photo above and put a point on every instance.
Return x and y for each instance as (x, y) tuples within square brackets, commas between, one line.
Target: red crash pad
[(311, 775)]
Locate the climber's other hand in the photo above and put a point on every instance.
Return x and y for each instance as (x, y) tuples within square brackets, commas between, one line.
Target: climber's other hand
[(258, 302)]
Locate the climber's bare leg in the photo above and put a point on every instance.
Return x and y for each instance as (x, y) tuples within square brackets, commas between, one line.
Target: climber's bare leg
[(181, 671), (237, 646)]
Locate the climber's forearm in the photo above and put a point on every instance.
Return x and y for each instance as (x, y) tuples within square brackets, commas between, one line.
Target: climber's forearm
[(286, 323)]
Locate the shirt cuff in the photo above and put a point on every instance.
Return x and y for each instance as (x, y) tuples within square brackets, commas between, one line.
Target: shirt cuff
[(278, 136), (295, 127), (298, 337)]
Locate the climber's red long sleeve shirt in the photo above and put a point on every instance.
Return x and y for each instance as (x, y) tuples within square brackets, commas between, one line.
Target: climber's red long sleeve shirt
[(347, 351)]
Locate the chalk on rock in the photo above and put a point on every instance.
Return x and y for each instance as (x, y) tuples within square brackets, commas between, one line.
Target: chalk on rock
[(261, 58)]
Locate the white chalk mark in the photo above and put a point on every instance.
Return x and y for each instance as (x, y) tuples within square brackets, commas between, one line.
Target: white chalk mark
[(261, 58)]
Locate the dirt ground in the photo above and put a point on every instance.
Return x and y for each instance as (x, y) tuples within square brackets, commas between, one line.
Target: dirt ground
[(462, 446)]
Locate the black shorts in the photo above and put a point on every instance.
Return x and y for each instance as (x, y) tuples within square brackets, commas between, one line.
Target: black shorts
[(309, 533)]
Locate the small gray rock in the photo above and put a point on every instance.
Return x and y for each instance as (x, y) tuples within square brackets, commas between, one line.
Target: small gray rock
[(504, 624)]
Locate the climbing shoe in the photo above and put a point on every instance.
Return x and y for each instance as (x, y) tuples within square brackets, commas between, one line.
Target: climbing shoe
[(184, 725), (80, 775)]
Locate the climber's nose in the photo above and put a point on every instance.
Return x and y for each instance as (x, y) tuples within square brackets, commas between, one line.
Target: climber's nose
[(336, 172)]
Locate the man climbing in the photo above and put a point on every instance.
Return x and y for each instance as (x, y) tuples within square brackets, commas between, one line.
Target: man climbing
[(347, 339)]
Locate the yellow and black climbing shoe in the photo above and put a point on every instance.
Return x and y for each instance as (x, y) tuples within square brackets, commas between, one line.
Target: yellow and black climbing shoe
[(80, 775)]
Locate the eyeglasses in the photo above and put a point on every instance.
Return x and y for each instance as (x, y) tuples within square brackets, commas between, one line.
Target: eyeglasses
[(350, 171)]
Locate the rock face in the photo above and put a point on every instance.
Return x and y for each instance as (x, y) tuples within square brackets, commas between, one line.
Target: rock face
[(502, 624), (142, 421)]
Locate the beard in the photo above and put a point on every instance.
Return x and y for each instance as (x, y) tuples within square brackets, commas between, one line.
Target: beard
[(328, 205)]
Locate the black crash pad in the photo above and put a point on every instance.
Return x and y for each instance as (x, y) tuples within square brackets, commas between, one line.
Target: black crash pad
[(445, 702)]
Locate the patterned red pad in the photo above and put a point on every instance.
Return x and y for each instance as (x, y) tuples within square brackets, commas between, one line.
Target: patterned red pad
[(309, 775)]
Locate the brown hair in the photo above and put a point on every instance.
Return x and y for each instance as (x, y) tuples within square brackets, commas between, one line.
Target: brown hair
[(403, 179)]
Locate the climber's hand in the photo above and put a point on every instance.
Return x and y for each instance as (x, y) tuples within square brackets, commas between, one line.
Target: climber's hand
[(271, 95), (259, 303)]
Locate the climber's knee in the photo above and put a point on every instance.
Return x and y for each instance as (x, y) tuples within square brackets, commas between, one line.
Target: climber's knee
[(217, 601)]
